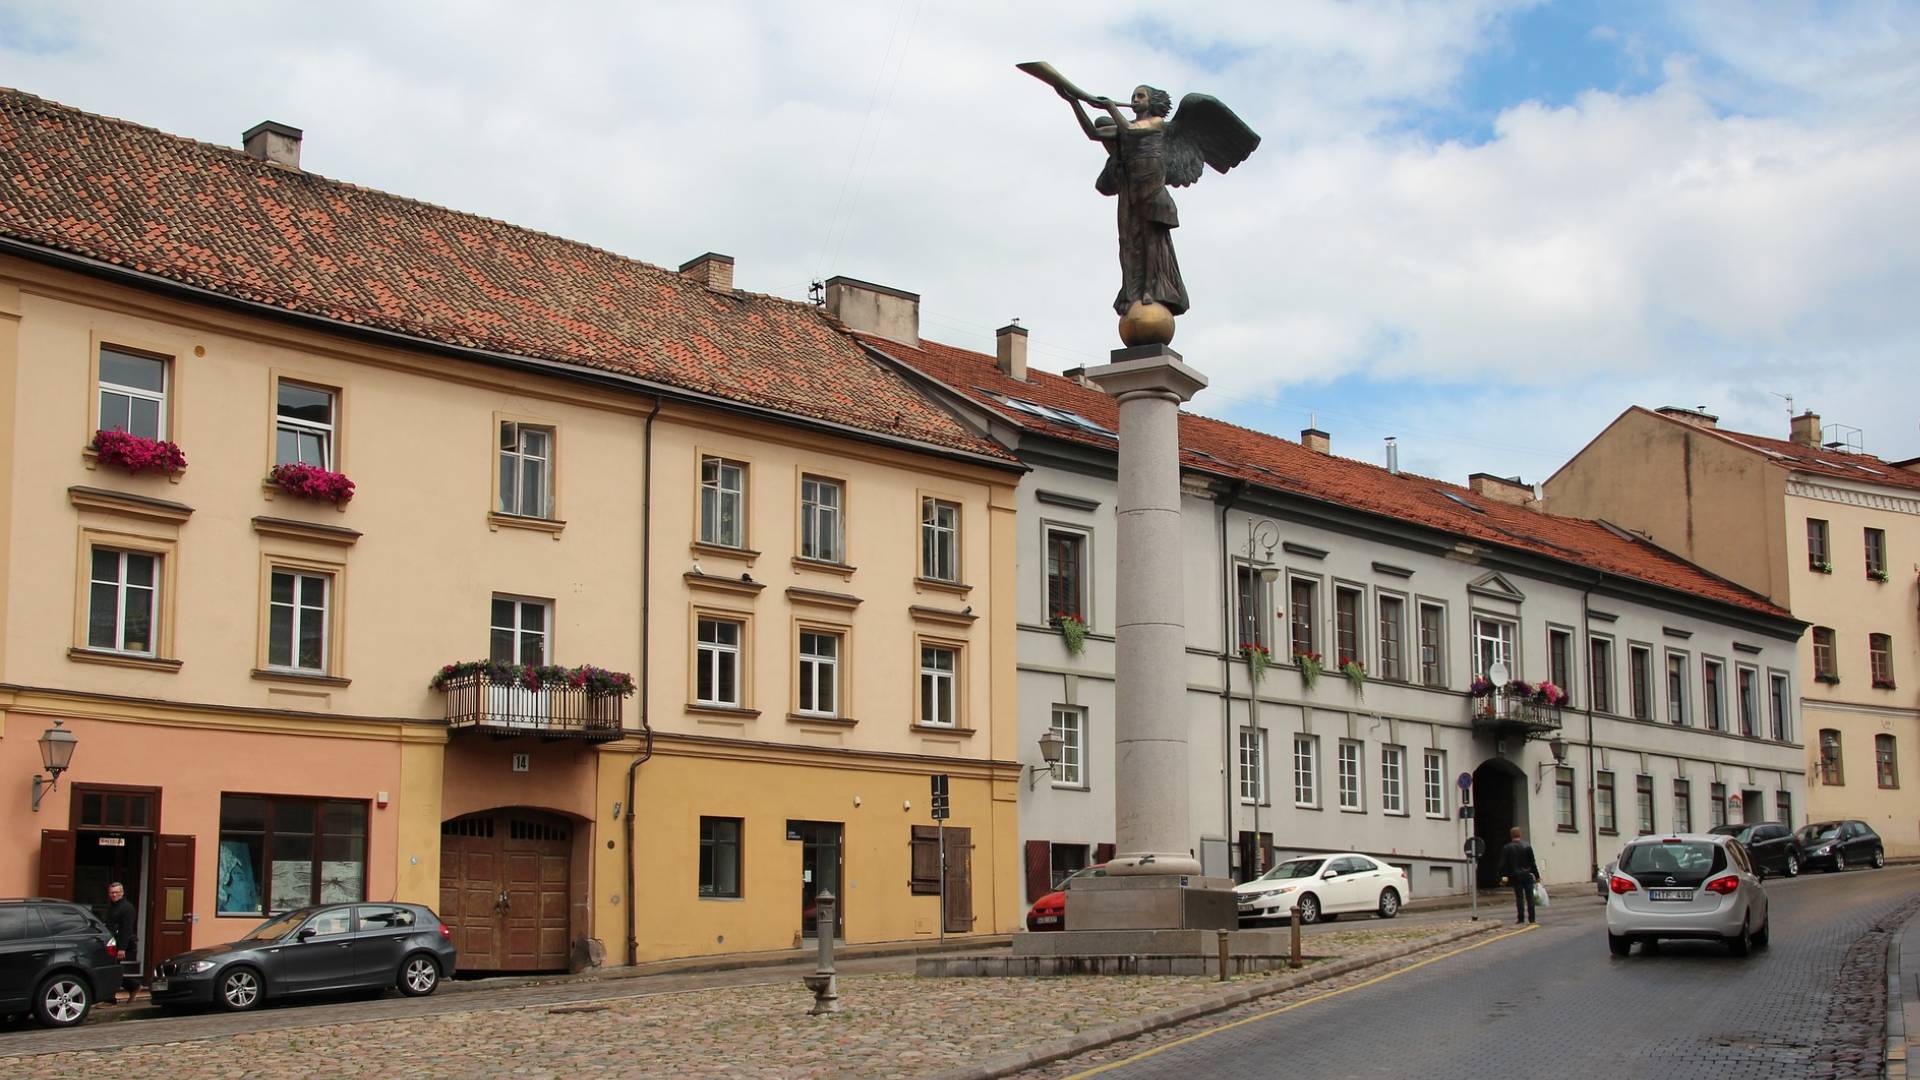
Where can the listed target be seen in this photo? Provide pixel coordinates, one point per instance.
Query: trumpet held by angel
(1155, 149)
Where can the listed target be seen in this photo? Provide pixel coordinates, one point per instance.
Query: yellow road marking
(1198, 1035)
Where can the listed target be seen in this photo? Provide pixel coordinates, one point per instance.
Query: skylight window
(1057, 416)
(1458, 499)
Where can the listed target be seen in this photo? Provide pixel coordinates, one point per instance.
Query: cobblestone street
(894, 1025)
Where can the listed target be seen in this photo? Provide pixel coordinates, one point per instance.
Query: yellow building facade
(414, 693)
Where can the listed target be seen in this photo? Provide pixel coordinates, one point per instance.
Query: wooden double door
(506, 889)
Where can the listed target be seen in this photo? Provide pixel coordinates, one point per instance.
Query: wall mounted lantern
(56, 753)
(1052, 749)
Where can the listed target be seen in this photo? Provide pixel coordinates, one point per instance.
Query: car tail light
(1622, 885)
(446, 932)
(119, 954)
(1725, 886)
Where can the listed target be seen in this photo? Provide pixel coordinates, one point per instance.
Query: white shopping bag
(1539, 894)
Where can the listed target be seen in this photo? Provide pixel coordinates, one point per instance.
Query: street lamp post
(56, 754)
(1261, 533)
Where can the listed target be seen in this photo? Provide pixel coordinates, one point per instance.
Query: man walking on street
(1519, 869)
(124, 921)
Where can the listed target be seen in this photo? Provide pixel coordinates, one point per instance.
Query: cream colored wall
(1854, 606)
(419, 447)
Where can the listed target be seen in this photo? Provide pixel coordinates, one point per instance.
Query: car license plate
(1045, 920)
(158, 986)
(1669, 894)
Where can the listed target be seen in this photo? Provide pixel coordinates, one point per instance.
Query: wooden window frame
(168, 353)
(1831, 768)
(1641, 699)
(265, 880)
(1679, 710)
(1390, 650)
(744, 494)
(1358, 632)
(1077, 780)
(1682, 798)
(1433, 783)
(1746, 699)
(122, 537)
(1605, 809)
(549, 472)
(520, 603)
(813, 512)
(1645, 805)
(1600, 675)
(1350, 752)
(1512, 622)
(1563, 797)
(1716, 804)
(1880, 660)
(1250, 762)
(1886, 761)
(1079, 605)
(1874, 541)
(337, 443)
(1393, 780)
(1311, 623)
(335, 651)
(1819, 545)
(1439, 666)
(1713, 693)
(802, 660)
(1829, 670)
(707, 865)
(1311, 742)
(956, 679)
(738, 651)
(931, 532)
(1779, 705)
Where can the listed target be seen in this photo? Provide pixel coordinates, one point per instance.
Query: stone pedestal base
(1151, 903)
(1120, 952)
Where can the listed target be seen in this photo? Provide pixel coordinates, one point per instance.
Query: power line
(829, 246)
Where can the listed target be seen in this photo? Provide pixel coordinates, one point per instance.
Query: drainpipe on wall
(1593, 823)
(646, 671)
(1226, 680)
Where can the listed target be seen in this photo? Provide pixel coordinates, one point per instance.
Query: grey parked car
(314, 950)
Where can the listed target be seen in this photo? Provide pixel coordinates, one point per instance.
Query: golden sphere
(1146, 323)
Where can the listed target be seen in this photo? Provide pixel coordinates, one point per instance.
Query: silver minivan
(1690, 885)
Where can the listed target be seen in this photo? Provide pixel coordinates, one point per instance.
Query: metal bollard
(1223, 956)
(824, 983)
(1293, 925)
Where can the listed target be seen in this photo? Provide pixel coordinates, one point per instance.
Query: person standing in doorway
(124, 921)
(1518, 868)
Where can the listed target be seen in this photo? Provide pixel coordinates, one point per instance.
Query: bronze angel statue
(1146, 154)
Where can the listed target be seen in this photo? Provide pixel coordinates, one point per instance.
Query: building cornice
(1868, 496)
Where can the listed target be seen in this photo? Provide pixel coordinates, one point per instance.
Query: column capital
(1147, 369)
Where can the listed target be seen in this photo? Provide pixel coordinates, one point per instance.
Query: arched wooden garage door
(505, 889)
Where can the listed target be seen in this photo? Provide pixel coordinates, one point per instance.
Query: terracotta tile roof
(1228, 450)
(1817, 460)
(211, 217)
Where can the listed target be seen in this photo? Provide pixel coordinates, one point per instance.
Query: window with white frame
(297, 610)
(526, 470)
(1676, 688)
(938, 666)
(1347, 774)
(1306, 770)
(723, 502)
(123, 601)
(1433, 645)
(819, 673)
(1070, 724)
(1493, 644)
(1392, 611)
(1393, 796)
(519, 632)
(822, 520)
(302, 425)
(1253, 766)
(716, 662)
(133, 393)
(1433, 783)
(939, 540)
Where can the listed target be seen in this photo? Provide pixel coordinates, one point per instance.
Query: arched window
(1884, 769)
(1830, 772)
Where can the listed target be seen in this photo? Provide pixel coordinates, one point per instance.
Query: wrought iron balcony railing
(1500, 712)
(507, 709)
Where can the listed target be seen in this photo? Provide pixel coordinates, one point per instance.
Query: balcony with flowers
(543, 700)
(1515, 707)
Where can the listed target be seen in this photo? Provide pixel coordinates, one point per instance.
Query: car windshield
(1729, 830)
(1682, 857)
(277, 927)
(1295, 868)
(1084, 872)
(1825, 830)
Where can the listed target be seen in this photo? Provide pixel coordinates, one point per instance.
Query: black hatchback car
(56, 960)
(1771, 844)
(314, 950)
(1836, 845)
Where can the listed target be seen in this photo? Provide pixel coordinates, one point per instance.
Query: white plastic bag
(1539, 894)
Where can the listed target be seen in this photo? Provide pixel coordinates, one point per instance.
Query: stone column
(1150, 721)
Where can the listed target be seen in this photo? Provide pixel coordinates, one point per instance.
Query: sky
(1484, 227)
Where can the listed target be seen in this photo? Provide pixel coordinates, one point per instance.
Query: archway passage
(1500, 803)
(505, 889)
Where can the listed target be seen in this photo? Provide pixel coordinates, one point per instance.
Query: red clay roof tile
(1817, 460)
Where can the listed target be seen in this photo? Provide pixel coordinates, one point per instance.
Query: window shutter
(1039, 869)
(926, 861)
(1266, 851)
(56, 864)
(1246, 855)
(1103, 853)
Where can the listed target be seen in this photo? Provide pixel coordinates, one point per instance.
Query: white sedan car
(1692, 885)
(1324, 886)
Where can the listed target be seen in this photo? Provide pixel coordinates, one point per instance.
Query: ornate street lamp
(56, 753)
(1052, 750)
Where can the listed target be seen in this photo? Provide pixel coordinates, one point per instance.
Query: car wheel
(1839, 861)
(1879, 859)
(1742, 945)
(1309, 907)
(63, 1001)
(419, 976)
(1618, 945)
(1765, 936)
(240, 990)
(1793, 866)
(1389, 903)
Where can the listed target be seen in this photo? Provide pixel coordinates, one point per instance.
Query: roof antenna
(817, 293)
(1788, 398)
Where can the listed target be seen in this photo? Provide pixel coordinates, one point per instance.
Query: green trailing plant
(1823, 567)
(1877, 575)
(1356, 673)
(1310, 668)
(1073, 631)
(1258, 657)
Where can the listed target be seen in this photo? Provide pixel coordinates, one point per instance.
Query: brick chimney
(713, 270)
(272, 142)
(1806, 429)
(1316, 440)
(1507, 489)
(867, 308)
(1010, 349)
(1696, 417)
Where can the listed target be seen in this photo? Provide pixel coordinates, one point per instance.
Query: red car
(1050, 911)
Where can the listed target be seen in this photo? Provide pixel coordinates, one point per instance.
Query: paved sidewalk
(1903, 1003)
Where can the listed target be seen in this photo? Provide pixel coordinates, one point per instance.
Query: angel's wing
(1205, 132)
(1108, 182)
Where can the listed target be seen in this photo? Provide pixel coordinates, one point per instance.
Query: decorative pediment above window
(1495, 587)
(739, 586)
(291, 529)
(127, 504)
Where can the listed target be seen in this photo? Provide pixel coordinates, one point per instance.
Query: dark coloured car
(1770, 844)
(1836, 845)
(56, 960)
(313, 950)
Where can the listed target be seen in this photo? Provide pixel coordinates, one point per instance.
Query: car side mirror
(306, 933)
(1328, 874)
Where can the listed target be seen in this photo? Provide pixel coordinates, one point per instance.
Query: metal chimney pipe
(1393, 455)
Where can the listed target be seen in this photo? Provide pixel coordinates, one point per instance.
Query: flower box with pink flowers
(312, 482)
